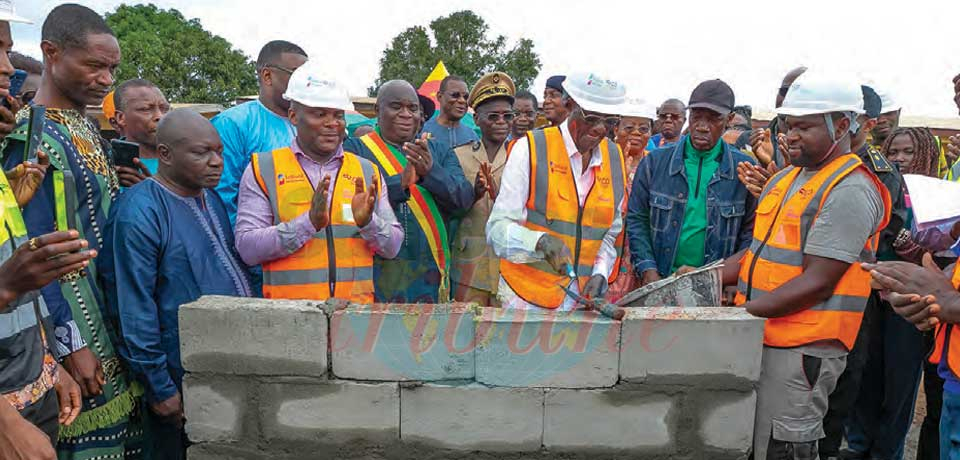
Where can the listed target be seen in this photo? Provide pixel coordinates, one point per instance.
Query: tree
(460, 41)
(185, 61)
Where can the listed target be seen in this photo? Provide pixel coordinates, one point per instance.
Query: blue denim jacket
(658, 202)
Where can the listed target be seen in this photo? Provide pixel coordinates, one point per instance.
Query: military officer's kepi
(492, 85)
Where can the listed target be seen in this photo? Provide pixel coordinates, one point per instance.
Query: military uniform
(475, 273)
(476, 269)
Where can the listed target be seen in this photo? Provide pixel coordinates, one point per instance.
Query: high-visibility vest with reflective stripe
(336, 262)
(554, 207)
(19, 323)
(776, 257)
(945, 343)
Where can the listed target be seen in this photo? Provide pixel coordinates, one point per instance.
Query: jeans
(950, 427)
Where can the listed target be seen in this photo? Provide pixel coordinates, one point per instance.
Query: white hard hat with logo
(812, 94)
(636, 107)
(9, 14)
(311, 87)
(594, 93)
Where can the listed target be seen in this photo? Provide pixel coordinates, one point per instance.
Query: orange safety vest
(776, 257)
(336, 262)
(553, 206)
(944, 342)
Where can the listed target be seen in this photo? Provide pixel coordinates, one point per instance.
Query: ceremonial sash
(421, 203)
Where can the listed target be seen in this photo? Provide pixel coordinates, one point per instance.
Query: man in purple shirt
(268, 226)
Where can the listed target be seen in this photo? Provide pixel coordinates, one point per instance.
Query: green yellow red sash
(421, 203)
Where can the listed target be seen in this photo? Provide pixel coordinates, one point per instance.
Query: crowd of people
(590, 195)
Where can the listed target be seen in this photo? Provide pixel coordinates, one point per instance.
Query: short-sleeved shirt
(851, 213)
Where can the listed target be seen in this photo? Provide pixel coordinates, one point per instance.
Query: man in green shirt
(687, 207)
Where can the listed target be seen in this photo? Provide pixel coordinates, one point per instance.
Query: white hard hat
(636, 107)
(310, 87)
(887, 102)
(812, 94)
(8, 14)
(595, 94)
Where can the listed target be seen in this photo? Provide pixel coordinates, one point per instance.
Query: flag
(431, 85)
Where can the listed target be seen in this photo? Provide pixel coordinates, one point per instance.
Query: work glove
(556, 253)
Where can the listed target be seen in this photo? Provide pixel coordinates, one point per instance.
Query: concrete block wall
(301, 379)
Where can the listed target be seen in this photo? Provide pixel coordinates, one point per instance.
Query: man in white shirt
(545, 239)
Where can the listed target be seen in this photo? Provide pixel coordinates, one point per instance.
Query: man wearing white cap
(559, 213)
(816, 222)
(312, 214)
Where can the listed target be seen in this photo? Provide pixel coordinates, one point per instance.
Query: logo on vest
(604, 181)
(282, 179)
(557, 168)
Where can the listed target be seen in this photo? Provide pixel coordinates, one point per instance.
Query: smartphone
(124, 152)
(16, 84)
(34, 132)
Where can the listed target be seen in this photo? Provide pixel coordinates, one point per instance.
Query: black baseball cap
(714, 95)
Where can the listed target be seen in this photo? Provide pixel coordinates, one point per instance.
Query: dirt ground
(910, 449)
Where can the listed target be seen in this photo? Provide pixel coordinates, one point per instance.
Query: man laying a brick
(816, 222)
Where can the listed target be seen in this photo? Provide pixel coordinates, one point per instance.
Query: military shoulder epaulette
(880, 164)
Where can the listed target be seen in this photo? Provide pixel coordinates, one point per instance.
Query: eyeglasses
(670, 116)
(642, 129)
(282, 69)
(458, 95)
(611, 121)
(494, 117)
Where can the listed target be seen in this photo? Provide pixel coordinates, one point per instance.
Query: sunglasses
(494, 117)
(527, 113)
(670, 116)
(282, 69)
(610, 121)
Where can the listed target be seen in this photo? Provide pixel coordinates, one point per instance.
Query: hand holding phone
(124, 152)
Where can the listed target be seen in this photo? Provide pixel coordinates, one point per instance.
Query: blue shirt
(657, 142)
(247, 129)
(162, 250)
(449, 138)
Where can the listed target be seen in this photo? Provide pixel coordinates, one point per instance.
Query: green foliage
(185, 61)
(461, 42)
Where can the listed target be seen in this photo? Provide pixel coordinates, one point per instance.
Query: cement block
(403, 342)
(674, 341)
(473, 417)
(331, 412)
(245, 336)
(216, 407)
(553, 349)
(728, 424)
(577, 420)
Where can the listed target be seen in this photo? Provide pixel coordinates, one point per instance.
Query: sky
(657, 49)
